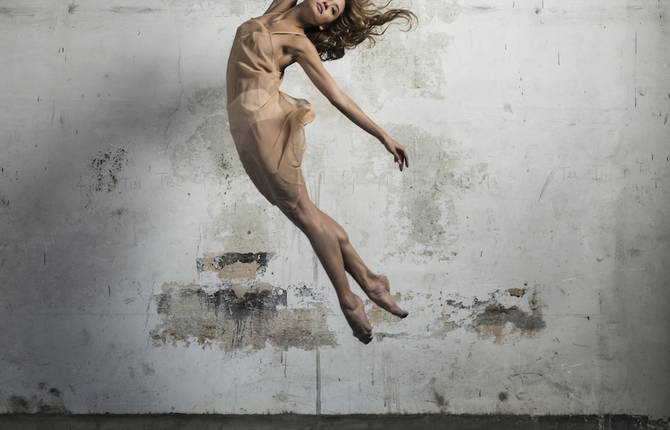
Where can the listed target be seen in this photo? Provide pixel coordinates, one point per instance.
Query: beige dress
(267, 125)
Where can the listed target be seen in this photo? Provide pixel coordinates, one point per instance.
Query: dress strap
(288, 32)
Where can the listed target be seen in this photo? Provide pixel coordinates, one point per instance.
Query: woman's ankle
(348, 301)
(369, 279)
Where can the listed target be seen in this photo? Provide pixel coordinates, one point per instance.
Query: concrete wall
(142, 272)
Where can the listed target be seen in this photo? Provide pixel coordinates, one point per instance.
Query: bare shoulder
(298, 47)
(305, 50)
(308, 58)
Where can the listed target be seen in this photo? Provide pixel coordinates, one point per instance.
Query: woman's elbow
(337, 98)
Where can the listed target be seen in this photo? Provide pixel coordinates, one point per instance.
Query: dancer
(267, 125)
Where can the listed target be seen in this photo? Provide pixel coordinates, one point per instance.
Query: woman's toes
(364, 337)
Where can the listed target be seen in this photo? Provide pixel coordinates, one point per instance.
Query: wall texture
(142, 272)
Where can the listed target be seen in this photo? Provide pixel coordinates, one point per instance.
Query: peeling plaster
(237, 321)
(240, 311)
(487, 317)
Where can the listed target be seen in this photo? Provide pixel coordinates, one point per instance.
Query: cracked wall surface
(142, 272)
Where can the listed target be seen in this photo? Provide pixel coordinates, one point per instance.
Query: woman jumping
(267, 125)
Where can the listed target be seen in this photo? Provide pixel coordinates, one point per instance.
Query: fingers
(404, 157)
(400, 157)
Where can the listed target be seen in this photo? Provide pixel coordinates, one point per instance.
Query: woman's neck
(293, 17)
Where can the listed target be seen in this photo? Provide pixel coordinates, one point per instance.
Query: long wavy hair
(359, 21)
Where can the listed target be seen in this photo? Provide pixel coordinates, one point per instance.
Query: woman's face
(326, 11)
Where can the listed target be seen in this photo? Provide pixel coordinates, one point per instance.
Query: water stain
(439, 399)
(448, 12)
(232, 226)
(37, 403)
(426, 210)
(207, 101)
(18, 11)
(147, 369)
(380, 335)
(133, 9)
(420, 73)
(208, 153)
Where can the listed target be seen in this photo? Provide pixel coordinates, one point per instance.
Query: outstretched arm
(280, 6)
(309, 60)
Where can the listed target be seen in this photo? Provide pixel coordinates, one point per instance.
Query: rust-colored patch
(516, 292)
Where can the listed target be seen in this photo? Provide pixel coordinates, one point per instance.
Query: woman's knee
(300, 214)
(341, 235)
(295, 215)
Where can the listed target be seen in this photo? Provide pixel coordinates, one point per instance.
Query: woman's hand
(398, 151)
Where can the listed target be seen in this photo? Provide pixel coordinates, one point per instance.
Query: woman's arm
(308, 58)
(280, 6)
(351, 110)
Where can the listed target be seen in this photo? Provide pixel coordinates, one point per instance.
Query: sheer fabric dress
(267, 124)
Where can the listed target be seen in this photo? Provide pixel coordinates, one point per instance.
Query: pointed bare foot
(354, 312)
(379, 292)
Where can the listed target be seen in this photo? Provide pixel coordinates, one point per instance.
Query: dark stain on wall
(17, 11)
(439, 399)
(132, 9)
(106, 168)
(455, 304)
(53, 404)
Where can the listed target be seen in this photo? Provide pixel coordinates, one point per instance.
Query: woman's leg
(325, 242)
(376, 287)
